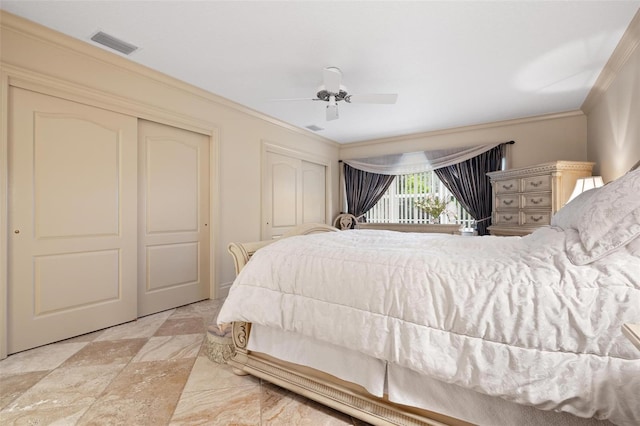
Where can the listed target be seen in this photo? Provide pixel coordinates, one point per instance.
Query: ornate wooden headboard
(242, 252)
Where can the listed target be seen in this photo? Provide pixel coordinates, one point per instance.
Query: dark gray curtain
(364, 189)
(469, 183)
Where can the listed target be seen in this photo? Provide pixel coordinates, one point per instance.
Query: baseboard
(223, 290)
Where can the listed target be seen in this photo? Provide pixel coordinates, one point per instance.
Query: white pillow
(619, 236)
(569, 215)
(611, 220)
(634, 247)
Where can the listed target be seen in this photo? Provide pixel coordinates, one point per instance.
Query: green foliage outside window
(416, 183)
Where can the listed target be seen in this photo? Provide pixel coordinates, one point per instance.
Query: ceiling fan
(333, 92)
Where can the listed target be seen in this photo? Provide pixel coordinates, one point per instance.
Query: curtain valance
(417, 162)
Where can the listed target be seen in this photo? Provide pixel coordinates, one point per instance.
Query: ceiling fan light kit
(323, 94)
(332, 112)
(332, 92)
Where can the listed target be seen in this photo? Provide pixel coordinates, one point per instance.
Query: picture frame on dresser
(525, 198)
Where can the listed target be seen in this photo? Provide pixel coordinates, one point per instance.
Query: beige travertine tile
(206, 308)
(106, 352)
(207, 375)
(140, 328)
(144, 393)
(233, 406)
(87, 389)
(172, 327)
(203, 348)
(170, 347)
(282, 407)
(39, 359)
(89, 337)
(13, 386)
(66, 387)
(59, 416)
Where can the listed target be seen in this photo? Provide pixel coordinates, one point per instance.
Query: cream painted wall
(538, 140)
(37, 57)
(613, 120)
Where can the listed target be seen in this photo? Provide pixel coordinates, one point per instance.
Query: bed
(414, 329)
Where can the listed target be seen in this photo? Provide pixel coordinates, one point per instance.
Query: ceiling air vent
(113, 43)
(314, 128)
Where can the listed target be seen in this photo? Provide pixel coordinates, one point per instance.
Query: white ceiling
(452, 63)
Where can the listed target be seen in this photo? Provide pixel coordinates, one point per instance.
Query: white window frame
(391, 208)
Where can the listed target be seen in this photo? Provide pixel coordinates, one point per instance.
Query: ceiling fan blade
(373, 98)
(294, 99)
(332, 77)
(332, 112)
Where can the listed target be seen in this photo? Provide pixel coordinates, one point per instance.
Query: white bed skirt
(402, 385)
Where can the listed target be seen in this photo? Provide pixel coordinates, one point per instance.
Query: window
(397, 205)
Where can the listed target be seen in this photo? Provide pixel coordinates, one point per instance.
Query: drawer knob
(507, 202)
(507, 186)
(536, 219)
(536, 202)
(536, 184)
(507, 218)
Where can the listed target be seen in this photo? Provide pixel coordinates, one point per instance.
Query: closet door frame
(271, 147)
(11, 76)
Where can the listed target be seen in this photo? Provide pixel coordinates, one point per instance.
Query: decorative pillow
(569, 216)
(634, 247)
(611, 220)
(627, 230)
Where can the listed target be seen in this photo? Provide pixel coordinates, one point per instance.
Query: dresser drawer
(533, 199)
(524, 199)
(510, 185)
(507, 201)
(536, 183)
(506, 218)
(530, 218)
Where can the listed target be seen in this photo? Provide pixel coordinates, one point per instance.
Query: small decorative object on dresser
(525, 198)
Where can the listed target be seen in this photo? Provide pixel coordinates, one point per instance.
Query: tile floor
(152, 371)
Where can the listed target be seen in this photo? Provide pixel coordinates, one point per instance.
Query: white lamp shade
(585, 184)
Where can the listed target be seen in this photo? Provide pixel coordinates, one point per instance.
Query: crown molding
(626, 47)
(470, 128)
(31, 80)
(46, 35)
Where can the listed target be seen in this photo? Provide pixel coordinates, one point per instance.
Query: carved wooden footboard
(313, 384)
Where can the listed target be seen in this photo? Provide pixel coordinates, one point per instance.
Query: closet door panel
(174, 234)
(281, 195)
(172, 185)
(72, 218)
(314, 194)
(67, 148)
(60, 274)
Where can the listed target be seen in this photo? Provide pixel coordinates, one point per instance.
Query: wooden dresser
(525, 198)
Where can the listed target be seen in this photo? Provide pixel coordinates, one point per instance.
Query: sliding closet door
(72, 218)
(314, 192)
(293, 192)
(281, 195)
(174, 229)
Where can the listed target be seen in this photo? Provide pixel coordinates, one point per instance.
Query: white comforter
(508, 317)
